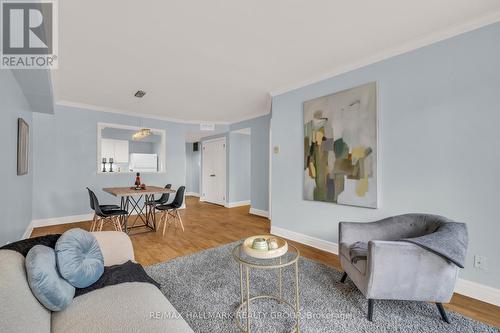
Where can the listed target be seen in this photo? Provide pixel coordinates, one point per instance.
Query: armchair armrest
(350, 232)
(116, 247)
(405, 271)
(390, 228)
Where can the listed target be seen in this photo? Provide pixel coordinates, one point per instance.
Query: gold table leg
(241, 283)
(280, 281)
(297, 305)
(248, 300)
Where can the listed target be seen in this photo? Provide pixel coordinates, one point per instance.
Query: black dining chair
(113, 215)
(153, 203)
(171, 210)
(163, 199)
(102, 207)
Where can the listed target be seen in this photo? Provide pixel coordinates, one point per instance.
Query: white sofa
(126, 307)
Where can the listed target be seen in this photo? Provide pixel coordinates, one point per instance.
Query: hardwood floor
(210, 226)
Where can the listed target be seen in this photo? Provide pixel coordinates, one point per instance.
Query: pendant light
(143, 132)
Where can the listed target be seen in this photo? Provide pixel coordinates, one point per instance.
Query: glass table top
(289, 258)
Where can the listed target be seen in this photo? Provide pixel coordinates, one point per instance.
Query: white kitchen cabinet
(121, 151)
(116, 149)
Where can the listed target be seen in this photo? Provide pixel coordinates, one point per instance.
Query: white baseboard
(464, 287)
(237, 204)
(305, 239)
(193, 194)
(258, 212)
(478, 291)
(61, 220)
(28, 231)
(65, 219)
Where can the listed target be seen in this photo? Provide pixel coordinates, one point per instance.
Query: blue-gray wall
(439, 146)
(239, 167)
(65, 150)
(193, 168)
(15, 199)
(138, 147)
(259, 156)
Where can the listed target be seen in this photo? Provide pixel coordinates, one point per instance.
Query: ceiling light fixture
(141, 134)
(140, 93)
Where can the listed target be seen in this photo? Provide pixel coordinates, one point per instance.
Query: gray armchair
(393, 269)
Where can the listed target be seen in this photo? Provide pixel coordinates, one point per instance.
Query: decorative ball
(260, 244)
(272, 243)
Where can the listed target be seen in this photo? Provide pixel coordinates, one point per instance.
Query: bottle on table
(138, 180)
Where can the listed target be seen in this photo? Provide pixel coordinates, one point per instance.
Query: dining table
(137, 201)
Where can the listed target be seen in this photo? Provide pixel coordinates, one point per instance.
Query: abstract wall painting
(340, 147)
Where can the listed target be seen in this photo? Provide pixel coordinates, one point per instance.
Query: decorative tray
(265, 253)
(137, 188)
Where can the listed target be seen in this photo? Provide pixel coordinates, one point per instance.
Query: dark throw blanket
(25, 245)
(116, 274)
(449, 241)
(127, 272)
(358, 251)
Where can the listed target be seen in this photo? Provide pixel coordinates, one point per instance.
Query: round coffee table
(247, 262)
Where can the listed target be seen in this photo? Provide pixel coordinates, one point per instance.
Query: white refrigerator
(143, 162)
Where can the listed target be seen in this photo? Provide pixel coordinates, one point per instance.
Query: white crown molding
(258, 212)
(243, 131)
(250, 117)
(133, 114)
(401, 49)
(98, 108)
(464, 287)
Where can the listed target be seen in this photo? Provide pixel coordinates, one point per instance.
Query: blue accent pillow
(47, 285)
(79, 258)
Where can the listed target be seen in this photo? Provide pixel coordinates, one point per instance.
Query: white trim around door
(213, 171)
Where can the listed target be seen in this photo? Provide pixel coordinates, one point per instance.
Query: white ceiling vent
(207, 127)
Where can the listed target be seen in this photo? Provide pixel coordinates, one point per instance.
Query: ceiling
(219, 61)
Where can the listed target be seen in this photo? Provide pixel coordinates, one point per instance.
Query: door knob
(212, 175)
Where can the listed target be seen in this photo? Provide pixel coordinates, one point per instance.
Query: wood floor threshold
(208, 226)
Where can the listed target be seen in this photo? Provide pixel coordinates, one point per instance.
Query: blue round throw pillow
(47, 285)
(79, 258)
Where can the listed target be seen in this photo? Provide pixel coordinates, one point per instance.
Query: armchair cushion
(359, 264)
(358, 251)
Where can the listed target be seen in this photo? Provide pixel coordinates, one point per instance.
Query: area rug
(205, 289)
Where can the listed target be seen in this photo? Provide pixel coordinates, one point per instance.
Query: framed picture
(340, 147)
(23, 144)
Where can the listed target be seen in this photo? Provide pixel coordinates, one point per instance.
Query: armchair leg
(442, 312)
(344, 276)
(370, 309)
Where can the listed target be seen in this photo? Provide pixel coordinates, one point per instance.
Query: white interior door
(214, 171)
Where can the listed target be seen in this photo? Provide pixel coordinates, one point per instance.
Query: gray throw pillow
(47, 285)
(79, 258)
